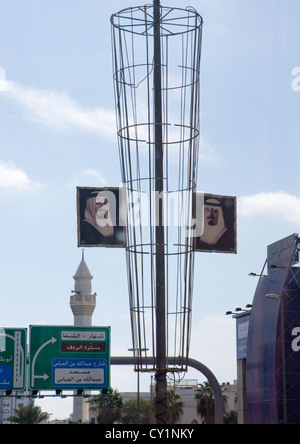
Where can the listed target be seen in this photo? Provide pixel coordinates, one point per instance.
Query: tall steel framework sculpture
(156, 61)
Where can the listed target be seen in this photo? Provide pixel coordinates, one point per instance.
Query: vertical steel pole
(161, 361)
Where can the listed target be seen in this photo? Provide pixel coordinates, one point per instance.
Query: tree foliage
(28, 414)
(130, 414)
(205, 403)
(108, 406)
(175, 407)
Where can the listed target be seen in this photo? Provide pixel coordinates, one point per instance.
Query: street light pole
(161, 361)
(138, 382)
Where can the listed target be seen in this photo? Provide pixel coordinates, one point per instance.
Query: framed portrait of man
(217, 217)
(99, 217)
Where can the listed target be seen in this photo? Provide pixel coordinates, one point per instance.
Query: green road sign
(13, 358)
(68, 358)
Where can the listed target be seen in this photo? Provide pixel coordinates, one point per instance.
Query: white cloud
(94, 178)
(13, 177)
(279, 204)
(58, 110)
(94, 174)
(2, 80)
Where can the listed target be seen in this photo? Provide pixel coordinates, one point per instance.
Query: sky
(58, 131)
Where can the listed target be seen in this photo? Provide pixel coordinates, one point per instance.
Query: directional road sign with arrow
(64, 357)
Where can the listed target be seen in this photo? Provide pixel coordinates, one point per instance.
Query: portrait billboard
(217, 214)
(99, 217)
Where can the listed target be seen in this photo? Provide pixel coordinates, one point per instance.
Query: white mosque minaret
(83, 303)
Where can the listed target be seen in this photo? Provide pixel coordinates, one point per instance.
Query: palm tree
(108, 406)
(175, 407)
(28, 414)
(231, 417)
(205, 403)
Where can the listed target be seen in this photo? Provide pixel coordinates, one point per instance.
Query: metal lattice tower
(156, 57)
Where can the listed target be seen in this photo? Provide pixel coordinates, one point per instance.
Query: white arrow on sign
(51, 341)
(44, 377)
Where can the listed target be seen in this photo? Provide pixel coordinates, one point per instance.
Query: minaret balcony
(83, 298)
